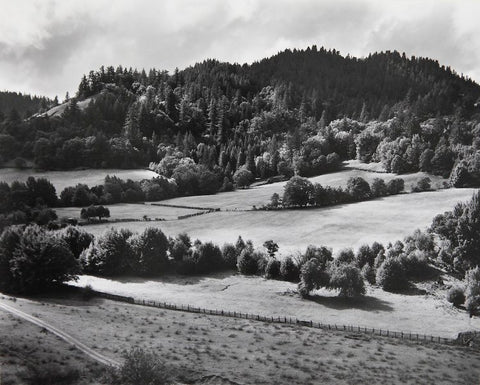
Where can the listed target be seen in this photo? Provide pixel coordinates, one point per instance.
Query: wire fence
(291, 321)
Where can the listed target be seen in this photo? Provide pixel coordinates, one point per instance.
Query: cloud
(46, 46)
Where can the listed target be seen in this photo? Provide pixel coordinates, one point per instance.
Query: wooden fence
(284, 320)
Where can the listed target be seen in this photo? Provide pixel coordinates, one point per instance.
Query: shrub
(142, 367)
(312, 277)
(110, 254)
(229, 255)
(289, 271)
(391, 275)
(345, 256)
(207, 258)
(368, 273)
(272, 270)
(178, 250)
(358, 188)
(39, 259)
(243, 178)
(378, 187)
(150, 251)
(298, 192)
(365, 256)
(247, 262)
(395, 186)
(76, 239)
(472, 290)
(271, 247)
(456, 296)
(347, 279)
(423, 184)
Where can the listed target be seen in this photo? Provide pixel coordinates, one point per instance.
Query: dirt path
(65, 336)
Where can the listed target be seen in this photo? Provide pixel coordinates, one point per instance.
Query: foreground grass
(31, 355)
(250, 352)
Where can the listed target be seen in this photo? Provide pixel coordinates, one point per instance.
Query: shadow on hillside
(362, 303)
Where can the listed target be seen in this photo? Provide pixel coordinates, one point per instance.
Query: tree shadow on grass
(362, 303)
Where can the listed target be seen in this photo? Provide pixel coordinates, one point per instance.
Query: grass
(62, 179)
(255, 295)
(243, 351)
(30, 355)
(383, 220)
(131, 211)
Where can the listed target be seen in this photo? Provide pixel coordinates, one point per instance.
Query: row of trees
(300, 192)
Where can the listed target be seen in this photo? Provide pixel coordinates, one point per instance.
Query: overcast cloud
(46, 46)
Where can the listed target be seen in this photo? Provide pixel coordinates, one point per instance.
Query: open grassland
(62, 179)
(31, 355)
(137, 211)
(413, 312)
(260, 195)
(383, 220)
(249, 352)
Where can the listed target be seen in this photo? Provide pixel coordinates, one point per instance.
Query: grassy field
(260, 195)
(413, 312)
(62, 179)
(384, 220)
(29, 355)
(131, 211)
(249, 352)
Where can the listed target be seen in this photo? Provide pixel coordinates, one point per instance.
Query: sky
(47, 45)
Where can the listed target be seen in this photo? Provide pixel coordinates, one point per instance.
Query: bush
(243, 178)
(298, 192)
(141, 367)
(36, 259)
(247, 262)
(345, 256)
(110, 254)
(272, 270)
(378, 188)
(76, 239)
(456, 296)
(358, 188)
(391, 275)
(368, 274)
(207, 258)
(347, 279)
(229, 255)
(289, 271)
(312, 277)
(423, 184)
(472, 290)
(395, 186)
(150, 251)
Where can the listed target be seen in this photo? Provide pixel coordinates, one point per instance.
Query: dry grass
(250, 352)
(384, 220)
(31, 355)
(132, 211)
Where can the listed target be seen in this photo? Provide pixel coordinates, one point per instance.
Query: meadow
(203, 349)
(350, 225)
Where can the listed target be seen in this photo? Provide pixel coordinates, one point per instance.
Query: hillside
(22, 104)
(300, 111)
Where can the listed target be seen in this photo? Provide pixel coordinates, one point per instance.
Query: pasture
(351, 225)
(260, 195)
(256, 295)
(134, 211)
(62, 179)
(249, 352)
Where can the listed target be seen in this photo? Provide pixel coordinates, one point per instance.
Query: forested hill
(22, 104)
(300, 111)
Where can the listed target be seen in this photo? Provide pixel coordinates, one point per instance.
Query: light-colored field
(131, 211)
(383, 220)
(260, 195)
(30, 355)
(249, 352)
(62, 179)
(255, 295)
